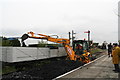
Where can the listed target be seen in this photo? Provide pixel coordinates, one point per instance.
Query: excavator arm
(65, 42)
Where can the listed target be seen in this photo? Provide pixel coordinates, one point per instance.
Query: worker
(116, 57)
(79, 49)
(110, 49)
(104, 45)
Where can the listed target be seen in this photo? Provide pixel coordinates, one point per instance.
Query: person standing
(104, 45)
(110, 49)
(79, 49)
(116, 57)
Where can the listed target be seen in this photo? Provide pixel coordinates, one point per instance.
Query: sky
(59, 17)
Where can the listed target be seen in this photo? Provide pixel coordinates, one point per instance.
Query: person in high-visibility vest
(116, 57)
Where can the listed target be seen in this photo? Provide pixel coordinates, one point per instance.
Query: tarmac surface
(102, 68)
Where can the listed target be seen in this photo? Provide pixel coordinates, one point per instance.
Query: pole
(88, 39)
(72, 37)
(69, 36)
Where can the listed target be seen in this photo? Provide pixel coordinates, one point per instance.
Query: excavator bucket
(24, 37)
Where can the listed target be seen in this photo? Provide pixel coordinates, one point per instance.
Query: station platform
(101, 68)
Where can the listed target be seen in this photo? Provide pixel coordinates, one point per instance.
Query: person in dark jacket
(110, 49)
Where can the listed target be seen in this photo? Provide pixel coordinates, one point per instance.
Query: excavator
(66, 43)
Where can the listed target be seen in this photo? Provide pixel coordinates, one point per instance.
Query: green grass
(94, 50)
(0, 71)
(8, 69)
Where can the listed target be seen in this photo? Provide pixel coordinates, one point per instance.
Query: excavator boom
(65, 42)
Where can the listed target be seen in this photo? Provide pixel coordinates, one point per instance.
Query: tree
(6, 42)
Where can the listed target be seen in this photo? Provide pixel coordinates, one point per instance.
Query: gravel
(47, 71)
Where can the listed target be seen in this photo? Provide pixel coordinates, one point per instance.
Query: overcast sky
(61, 16)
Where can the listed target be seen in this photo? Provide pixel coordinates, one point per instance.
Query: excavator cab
(80, 45)
(80, 48)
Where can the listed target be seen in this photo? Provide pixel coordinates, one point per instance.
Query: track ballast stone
(45, 72)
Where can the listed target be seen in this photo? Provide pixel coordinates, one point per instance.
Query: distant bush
(6, 42)
(42, 43)
(45, 44)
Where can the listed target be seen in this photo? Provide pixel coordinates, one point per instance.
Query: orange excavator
(66, 43)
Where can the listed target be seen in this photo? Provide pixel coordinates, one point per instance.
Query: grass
(8, 69)
(0, 71)
(94, 50)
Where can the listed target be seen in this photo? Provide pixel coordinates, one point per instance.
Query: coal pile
(45, 72)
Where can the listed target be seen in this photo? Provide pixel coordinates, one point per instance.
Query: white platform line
(78, 68)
